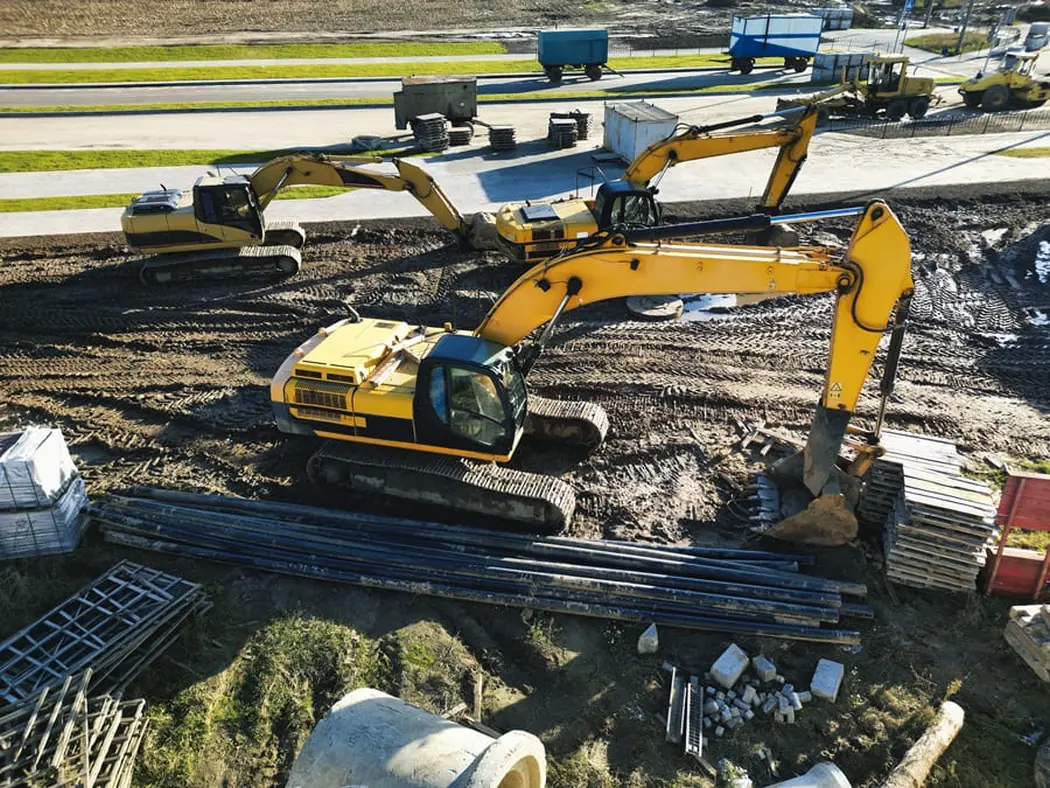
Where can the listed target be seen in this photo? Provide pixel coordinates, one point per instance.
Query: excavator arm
(699, 143)
(319, 169)
(869, 277)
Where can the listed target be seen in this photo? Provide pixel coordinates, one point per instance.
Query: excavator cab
(470, 396)
(619, 203)
(228, 202)
(885, 77)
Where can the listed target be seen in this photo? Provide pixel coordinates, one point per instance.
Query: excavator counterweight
(409, 410)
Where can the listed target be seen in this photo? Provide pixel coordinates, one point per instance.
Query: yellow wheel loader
(530, 232)
(1013, 84)
(426, 413)
(219, 227)
(887, 91)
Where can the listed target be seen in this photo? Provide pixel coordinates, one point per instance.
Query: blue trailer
(587, 50)
(794, 37)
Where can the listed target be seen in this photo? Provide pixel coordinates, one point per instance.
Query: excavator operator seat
(618, 203)
(229, 202)
(470, 394)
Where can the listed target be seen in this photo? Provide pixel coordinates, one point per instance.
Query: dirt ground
(56, 19)
(168, 387)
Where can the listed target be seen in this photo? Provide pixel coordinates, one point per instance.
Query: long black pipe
(517, 543)
(696, 567)
(235, 534)
(620, 613)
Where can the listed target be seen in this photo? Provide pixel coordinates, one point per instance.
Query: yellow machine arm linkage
(870, 276)
(322, 170)
(695, 143)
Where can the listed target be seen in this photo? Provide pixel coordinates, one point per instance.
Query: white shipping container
(631, 127)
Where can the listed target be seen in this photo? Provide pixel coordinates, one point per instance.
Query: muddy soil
(168, 386)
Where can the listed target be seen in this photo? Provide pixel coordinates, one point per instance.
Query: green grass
(935, 42)
(58, 160)
(79, 202)
(1025, 153)
(144, 54)
(324, 71)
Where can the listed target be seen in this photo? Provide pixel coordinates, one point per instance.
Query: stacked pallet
(115, 626)
(41, 494)
(431, 131)
(581, 119)
(936, 523)
(562, 133)
(460, 135)
(65, 736)
(502, 138)
(1028, 633)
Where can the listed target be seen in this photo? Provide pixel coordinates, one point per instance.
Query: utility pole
(929, 14)
(962, 31)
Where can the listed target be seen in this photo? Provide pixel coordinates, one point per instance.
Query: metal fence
(946, 125)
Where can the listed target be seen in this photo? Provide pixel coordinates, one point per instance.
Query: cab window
(438, 398)
(475, 409)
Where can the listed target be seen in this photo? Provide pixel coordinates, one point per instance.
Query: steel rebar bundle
(737, 591)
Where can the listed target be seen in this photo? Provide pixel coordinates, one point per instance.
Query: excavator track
(579, 423)
(542, 503)
(221, 264)
(284, 232)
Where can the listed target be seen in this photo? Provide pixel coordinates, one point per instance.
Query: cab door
(463, 407)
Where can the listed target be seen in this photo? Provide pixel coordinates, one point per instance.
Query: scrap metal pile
(736, 591)
(54, 730)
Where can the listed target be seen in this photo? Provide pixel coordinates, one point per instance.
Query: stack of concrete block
(936, 523)
(562, 133)
(734, 697)
(502, 138)
(41, 494)
(1028, 633)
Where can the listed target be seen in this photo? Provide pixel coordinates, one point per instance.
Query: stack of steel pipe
(715, 589)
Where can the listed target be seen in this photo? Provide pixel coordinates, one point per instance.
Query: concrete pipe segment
(372, 739)
(823, 775)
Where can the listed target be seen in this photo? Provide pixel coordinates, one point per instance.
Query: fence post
(1023, 116)
(987, 121)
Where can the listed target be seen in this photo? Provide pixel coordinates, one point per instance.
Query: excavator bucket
(816, 499)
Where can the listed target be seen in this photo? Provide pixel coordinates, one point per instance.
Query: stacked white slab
(41, 494)
(936, 522)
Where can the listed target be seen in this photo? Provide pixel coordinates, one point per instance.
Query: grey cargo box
(454, 97)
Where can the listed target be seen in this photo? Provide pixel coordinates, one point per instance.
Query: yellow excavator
(531, 232)
(219, 227)
(425, 413)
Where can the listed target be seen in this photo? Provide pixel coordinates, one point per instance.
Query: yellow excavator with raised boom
(530, 232)
(425, 413)
(219, 227)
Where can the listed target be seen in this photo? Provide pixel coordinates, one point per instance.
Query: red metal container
(1012, 571)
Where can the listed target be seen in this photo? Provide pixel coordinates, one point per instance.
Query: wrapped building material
(47, 530)
(35, 468)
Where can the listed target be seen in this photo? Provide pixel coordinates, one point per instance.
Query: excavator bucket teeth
(825, 522)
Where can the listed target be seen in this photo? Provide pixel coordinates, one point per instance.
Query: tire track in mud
(169, 386)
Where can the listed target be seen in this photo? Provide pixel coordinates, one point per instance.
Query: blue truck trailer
(585, 50)
(794, 37)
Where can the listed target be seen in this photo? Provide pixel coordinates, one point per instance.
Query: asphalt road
(292, 90)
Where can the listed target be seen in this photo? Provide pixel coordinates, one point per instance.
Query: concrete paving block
(710, 691)
(729, 667)
(796, 701)
(787, 689)
(748, 695)
(741, 704)
(765, 669)
(789, 716)
(648, 641)
(749, 715)
(720, 695)
(711, 707)
(719, 730)
(783, 704)
(769, 704)
(708, 722)
(827, 679)
(779, 679)
(806, 696)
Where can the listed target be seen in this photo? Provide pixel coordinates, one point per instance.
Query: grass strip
(1025, 153)
(326, 71)
(78, 202)
(61, 160)
(936, 42)
(156, 54)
